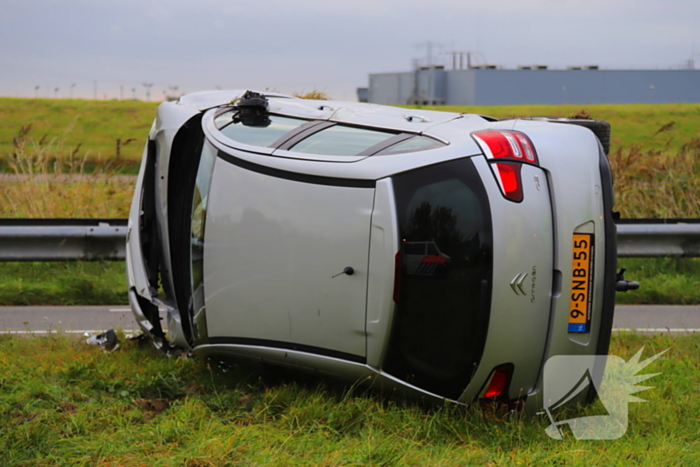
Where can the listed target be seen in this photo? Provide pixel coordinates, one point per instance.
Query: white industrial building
(488, 85)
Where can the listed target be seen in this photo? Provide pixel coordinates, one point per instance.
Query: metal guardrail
(639, 238)
(105, 239)
(63, 239)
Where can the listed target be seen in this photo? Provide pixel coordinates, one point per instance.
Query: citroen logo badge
(517, 284)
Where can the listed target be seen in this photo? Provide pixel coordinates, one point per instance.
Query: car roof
(352, 113)
(453, 129)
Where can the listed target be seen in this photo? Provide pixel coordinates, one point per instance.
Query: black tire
(600, 128)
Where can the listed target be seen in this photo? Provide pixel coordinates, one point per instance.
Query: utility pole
(691, 61)
(429, 52)
(71, 90)
(148, 87)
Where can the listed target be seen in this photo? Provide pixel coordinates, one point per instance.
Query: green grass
(47, 180)
(97, 125)
(663, 281)
(65, 403)
(75, 283)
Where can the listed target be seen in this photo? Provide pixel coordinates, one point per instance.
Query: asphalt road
(96, 319)
(70, 319)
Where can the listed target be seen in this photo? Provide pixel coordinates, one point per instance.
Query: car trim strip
(295, 176)
(288, 140)
(287, 346)
(396, 139)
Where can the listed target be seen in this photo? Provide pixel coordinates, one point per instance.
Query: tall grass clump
(657, 183)
(313, 95)
(46, 179)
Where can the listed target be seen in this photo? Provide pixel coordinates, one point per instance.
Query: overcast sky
(332, 45)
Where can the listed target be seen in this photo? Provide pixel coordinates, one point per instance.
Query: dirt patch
(67, 407)
(152, 406)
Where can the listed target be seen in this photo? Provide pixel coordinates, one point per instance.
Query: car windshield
(445, 272)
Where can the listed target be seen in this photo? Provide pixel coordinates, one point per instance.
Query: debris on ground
(108, 340)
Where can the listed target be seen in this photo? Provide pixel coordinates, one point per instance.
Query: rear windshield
(444, 291)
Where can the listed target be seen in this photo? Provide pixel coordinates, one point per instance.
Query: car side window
(330, 139)
(256, 135)
(340, 140)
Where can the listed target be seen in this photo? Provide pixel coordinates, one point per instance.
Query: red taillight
(506, 144)
(506, 149)
(498, 383)
(509, 176)
(497, 387)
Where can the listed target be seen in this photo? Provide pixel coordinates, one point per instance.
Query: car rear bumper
(597, 340)
(579, 185)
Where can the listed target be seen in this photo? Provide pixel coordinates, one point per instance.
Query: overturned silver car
(444, 255)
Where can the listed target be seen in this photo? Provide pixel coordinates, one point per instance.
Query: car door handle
(348, 270)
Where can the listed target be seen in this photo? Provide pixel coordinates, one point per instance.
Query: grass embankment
(97, 125)
(655, 157)
(66, 403)
(50, 179)
(100, 123)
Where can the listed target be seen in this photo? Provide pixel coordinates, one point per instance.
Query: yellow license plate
(581, 283)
